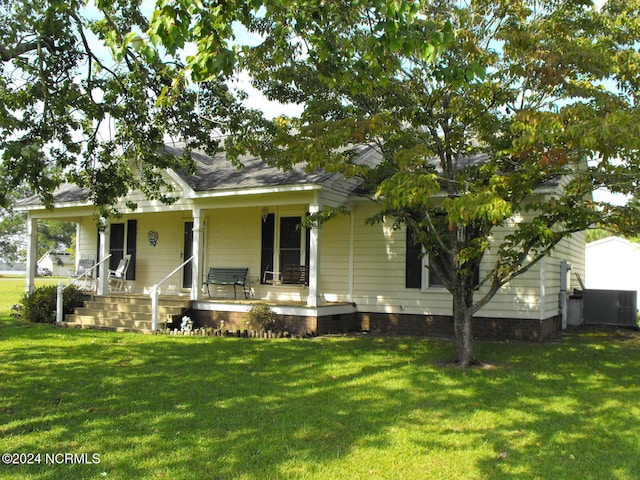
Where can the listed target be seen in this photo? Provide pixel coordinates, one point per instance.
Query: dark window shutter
(307, 242)
(268, 233)
(132, 236)
(116, 244)
(413, 262)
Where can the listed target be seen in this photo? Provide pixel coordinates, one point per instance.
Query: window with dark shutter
(416, 264)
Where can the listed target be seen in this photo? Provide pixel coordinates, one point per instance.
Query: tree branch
(8, 54)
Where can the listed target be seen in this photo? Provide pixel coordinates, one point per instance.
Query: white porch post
(32, 252)
(313, 300)
(105, 239)
(198, 227)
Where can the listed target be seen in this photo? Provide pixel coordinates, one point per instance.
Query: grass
(358, 407)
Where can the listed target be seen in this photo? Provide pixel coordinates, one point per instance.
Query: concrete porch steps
(127, 313)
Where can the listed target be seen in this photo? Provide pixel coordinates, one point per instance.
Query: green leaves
(169, 25)
(96, 100)
(407, 190)
(483, 206)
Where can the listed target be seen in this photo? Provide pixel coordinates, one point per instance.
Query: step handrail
(154, 294)
(62, 288)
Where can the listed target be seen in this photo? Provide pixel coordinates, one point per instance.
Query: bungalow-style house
(346, 275)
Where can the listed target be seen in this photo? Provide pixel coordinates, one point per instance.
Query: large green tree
(475, 105)
(83, 99)
(52, 235)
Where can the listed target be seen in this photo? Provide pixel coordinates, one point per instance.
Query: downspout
(565, 268)
(352, 231)
(542, 290)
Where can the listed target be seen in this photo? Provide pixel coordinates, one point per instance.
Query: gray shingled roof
(217, 173)
(66, 193)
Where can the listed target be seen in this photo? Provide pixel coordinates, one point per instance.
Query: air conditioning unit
(610, 307)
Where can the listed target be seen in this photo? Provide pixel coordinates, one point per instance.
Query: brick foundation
(516, 329)
(440, 325)
(399, 324)
(296, 325)
(407, 324)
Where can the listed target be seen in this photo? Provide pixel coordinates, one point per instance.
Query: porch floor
(224, 300)
(228, 300)
(286, 307)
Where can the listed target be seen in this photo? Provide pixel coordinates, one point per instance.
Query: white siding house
(249, 219)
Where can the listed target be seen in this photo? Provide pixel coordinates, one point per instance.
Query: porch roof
(217, 173)
(64, 194)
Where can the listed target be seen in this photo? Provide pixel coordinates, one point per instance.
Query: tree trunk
(462, 303)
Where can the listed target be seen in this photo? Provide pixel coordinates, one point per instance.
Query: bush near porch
(40, 305)
(338, 407)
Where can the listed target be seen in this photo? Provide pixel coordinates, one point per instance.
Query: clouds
(257, 100)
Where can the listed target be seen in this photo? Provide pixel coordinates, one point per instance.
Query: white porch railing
(155, 292)
(62, 288)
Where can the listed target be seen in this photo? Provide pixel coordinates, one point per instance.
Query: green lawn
(153, 407)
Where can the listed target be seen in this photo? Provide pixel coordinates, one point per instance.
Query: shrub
(39, 306)
(262, 317)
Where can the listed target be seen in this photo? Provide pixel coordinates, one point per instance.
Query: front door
(187, 249)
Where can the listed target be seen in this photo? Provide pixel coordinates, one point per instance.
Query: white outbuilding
(613, 263)
(56, 263)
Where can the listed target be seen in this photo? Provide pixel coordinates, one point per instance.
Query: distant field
(12, 289)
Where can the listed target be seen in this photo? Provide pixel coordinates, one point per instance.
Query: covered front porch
(250, 219)
(171, 252)
(265, 241)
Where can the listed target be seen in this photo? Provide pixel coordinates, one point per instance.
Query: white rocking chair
(84, 272)
(118, 277)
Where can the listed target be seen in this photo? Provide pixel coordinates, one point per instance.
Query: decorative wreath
(153, 238)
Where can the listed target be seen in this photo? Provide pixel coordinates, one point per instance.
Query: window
(285, 246)
(290, 242)
(417, 275)
(434, 281)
